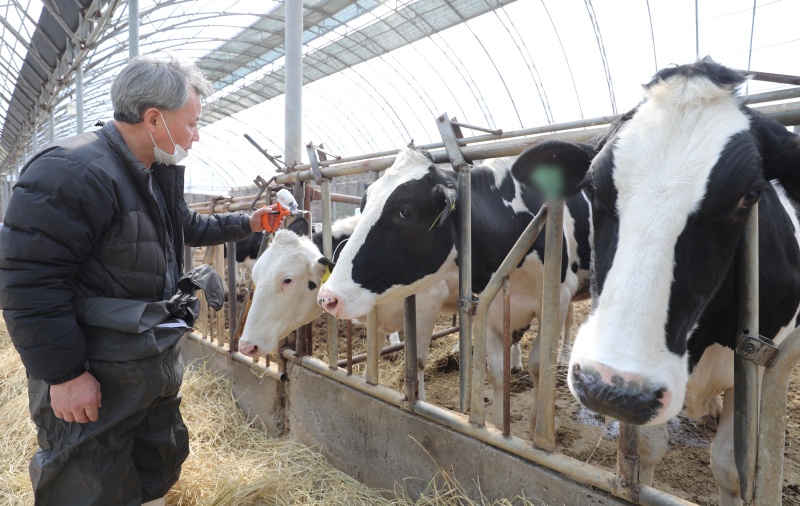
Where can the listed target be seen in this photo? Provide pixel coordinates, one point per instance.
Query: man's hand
(274, 219)
(76, 400)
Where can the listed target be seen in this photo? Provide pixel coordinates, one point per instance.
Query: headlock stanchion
(233, 291)
(550, 323)
(514, 257)
(759, 453)
(745, 372)
(410, 343)
(466, 303)
(331, 326)
(373, 346)
(771, 440)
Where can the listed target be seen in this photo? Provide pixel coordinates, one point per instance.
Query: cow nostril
(330, 305)
(628, 398)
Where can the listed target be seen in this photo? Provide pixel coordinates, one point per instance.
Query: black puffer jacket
(83, 223)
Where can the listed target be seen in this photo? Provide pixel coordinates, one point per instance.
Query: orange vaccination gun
(286, 205)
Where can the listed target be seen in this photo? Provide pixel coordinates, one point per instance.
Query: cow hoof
(710, 421)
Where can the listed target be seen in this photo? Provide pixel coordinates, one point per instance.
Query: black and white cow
(407, 238)
(672, 184)
(287, 276)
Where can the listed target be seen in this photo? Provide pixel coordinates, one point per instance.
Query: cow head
(286, 277)
(671, 185)
(402, 242)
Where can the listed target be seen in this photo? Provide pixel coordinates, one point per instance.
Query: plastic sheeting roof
(378, 73)
(34, 52)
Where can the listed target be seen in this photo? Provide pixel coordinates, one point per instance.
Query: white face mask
(164, 157)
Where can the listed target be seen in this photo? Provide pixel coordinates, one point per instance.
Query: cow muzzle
(627, 397)
(249, 349)
(329, 302)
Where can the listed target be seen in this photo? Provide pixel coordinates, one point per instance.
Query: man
(91, 252)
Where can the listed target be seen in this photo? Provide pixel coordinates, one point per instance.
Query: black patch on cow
(579, 210)
(717, 74)
(414, 241)
(779, 284)
(517, 334)
(705, 249)
(508, 189)
(403, 234)
(312, 285)
(780, 152)
(603, 194)
(299, 226)
(496, 227)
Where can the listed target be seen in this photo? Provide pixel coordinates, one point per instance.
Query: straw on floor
(232, 461)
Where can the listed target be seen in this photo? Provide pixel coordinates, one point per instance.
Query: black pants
(131, 454)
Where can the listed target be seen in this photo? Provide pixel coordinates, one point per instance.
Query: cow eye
(287, 280)
(749, 200)
(406, 212)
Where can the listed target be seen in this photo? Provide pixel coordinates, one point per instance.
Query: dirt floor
(685, 470)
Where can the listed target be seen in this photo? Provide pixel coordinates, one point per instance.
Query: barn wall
(380, 444)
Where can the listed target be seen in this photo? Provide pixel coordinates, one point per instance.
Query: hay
(232, 461)
(18, 434)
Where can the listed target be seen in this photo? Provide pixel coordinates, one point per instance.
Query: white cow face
(671, 189)
(286, 277)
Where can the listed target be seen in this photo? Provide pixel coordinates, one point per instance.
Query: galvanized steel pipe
(410, 343)
(506, 356)
(550, 323)
(787, 114)
(510, 263)
(373, 346)
(393, 348)
(745, 372)
(331, 327)
(771, 440)
(233, 294)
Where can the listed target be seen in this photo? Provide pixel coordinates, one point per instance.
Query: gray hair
(155, 82)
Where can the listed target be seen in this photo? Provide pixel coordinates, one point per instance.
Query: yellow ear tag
(327, 273)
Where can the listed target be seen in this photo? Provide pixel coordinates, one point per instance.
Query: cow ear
(299, 226)
(446, 196)
(554, 168)
(324, 267)
(780, 153)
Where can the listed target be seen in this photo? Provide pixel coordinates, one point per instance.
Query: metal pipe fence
(623, 483)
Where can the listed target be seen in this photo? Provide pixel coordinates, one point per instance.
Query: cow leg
(533, 371)
(426, 322)
(566, 339)
(516, 357)
(723, 460)
(565, 314)
(394, 338)
(652, 448)
(494, 359)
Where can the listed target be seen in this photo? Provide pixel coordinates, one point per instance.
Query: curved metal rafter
(602, 49)
(525, 53)
(245, 63)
